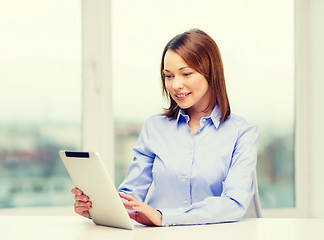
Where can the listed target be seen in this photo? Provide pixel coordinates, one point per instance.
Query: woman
(199, 157)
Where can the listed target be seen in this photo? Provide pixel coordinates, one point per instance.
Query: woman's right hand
(82, 204)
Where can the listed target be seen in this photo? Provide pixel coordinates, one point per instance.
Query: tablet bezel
(89, 174)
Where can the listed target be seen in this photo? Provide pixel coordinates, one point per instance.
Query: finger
(86, 214)
(82, 198)
(137, 209)
(130, 205)
(132, 215)
(76, 191)
(82, 211)
(127, 197)
(140, 209)
(82, 204)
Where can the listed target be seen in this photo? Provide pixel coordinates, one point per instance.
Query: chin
(184, 106)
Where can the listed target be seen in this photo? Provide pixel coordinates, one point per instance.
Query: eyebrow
(166, 70)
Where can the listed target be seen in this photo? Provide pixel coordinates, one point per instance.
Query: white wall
(316, 128)
(309, 107)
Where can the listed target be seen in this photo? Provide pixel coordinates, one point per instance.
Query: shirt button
(186, 201)
(204, 120)
(185, 177)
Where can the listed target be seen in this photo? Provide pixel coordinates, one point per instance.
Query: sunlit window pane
(40, 69)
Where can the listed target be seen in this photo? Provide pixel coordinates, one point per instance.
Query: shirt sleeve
(139, 175)
(238, 189)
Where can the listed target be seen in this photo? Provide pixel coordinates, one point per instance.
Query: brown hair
(201, 53)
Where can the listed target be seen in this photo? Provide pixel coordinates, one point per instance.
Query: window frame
(97, 117)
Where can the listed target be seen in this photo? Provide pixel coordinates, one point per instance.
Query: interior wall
(317, 109)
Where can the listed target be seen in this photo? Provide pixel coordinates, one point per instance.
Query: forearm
(211, 210)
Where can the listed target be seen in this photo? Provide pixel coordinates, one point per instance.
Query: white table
(75, 227)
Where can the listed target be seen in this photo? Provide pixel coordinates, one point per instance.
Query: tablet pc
(89, 174)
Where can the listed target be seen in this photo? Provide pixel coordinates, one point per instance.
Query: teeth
(182, 95)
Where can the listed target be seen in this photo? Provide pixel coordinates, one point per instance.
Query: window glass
(40, 68)
(258, 56)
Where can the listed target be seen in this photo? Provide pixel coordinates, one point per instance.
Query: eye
(168, 76)
(187, 74)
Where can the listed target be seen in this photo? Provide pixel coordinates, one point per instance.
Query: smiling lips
(182, 96)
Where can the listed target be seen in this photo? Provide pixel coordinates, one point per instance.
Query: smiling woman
(258, 56)
(201, 161)
(186, 86)
(198, 50)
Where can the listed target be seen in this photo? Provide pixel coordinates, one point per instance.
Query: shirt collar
(215, 116)
(182, 114)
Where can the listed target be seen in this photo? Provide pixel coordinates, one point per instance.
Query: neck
(195, 114)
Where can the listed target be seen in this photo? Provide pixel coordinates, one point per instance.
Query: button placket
(186, 174)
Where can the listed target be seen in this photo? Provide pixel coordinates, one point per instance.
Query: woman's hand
(82, 204)
(144, 213)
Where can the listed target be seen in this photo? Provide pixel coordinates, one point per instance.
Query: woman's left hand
(144, 214)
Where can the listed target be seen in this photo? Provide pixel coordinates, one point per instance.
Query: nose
(177, 83)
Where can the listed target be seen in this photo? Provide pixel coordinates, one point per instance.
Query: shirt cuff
(171, 217)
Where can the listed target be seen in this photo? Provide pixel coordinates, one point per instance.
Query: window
(40, 100)
(258, 55)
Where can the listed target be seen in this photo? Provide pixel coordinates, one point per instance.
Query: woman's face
(188, 88)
